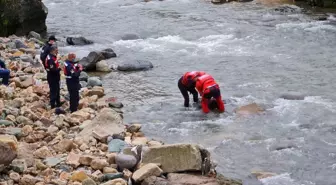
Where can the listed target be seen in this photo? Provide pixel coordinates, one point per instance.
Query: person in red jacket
(208, 89)
(187, 84)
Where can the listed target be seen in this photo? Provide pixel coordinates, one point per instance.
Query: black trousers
(73, 88)
(54, 86)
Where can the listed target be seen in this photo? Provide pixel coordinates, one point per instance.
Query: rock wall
(19, 17)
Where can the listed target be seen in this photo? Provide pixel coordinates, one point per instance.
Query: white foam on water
(283, 106)
(181, 131)
(329, 104)
(282, 179)
(256, 84)
(208, 44)
(332, 17)
(307, 26)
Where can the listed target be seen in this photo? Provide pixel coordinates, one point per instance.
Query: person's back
(46, 49)
(4, 73)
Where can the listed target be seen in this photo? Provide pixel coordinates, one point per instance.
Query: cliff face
(19, 17)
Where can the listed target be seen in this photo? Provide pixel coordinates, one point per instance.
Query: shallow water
(256, 54)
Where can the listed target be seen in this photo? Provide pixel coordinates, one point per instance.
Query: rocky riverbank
(90, 146)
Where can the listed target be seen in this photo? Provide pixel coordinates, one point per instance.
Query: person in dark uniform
(4, 73)
(53, 76)
(46, 49)
(187, 84)
(72, 72)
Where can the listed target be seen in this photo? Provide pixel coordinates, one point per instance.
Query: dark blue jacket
(71, 71)
(2, 64)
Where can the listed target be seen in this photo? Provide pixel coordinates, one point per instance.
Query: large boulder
(8, 149)
(19, 17)
(89, 62)
(174, 158)
(79, 41)
(107, 122)
(136, 65)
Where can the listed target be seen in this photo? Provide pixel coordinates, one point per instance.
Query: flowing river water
(254, 52)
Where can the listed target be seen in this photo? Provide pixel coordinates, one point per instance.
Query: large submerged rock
(19, 17)
(79, 41)
(89, 63)
(174, 158)
(136, 65)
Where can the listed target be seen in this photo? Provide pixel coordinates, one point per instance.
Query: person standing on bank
(72, 72)
(4, 73)
(46, 49)
(53, 76)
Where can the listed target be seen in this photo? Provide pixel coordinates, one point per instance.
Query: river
(255, 53)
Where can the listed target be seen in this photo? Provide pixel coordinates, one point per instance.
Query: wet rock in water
(108, 53)
(262, 174)
(107, 122)
(115, 105)
(116, 145)
(130, 36)
(78, 41)
(285, 144)
(134, 128)
(102, 66)
(174, 158)
(146, 171)
(89, 62)
(83, 76)
(249, 109)
(293, 96)
(8, 149)
(288, 9)
(137, 65)
(94, 81)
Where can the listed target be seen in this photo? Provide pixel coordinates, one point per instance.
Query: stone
(26, 152)
(156, 181)
(89, 62)
(134, 128)
(15, 176)
(65, 145)
(140, 141)
(35, 35)
(59, 122)
(80, 115)
(78, 41)
(146, 171)
(227, 181)
(86, 160)
(52, 129)
(42, 152)
(111, 158)
(53, 161)
(249, 109)
(108, 53)
(130, 36)
(23, 120)
(118, 181)
(109, 170)
(8, 149)
(103, 147)
(88, 181)
(17, 102)
(35, 136)
(174, 158)
(262, 175)
(107, 122)
(94, 81)
(116, 145)
(188, 179)
(83, 76)
(73, 159)
(29, 81)
(136, 65)
(40, 166)
(79, 176)
(28, 180)
(154, 143)
(28, 59)
(99, 164)
(17, 132)
(127, 174)
(6, 123)
(10, 118)
(26, 130)
(64, 176)
(116, 105)
(84, 147)
(19, 165)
